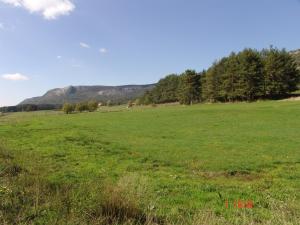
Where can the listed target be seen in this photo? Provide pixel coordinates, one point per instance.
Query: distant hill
(74, 94)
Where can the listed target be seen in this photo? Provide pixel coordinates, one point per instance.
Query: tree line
(29, 108)
(245, 76)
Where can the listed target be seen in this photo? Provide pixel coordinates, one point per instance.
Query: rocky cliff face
(74, 94)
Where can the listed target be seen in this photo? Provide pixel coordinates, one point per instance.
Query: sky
(46, 44)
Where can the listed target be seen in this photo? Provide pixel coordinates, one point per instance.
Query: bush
(130, 104)
(108, 103)
(68, 108)
(82, 106)
(92, 106)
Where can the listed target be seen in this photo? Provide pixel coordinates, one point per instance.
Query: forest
(248, 75)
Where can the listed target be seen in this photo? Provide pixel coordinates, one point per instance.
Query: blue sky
(46, 44)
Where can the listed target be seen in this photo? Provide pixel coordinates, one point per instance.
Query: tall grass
(27, 197)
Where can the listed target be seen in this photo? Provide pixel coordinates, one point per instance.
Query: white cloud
(84, 45)
(50, 9)
(1, 26)
(15, 77)
(103, 50)
(59, 57)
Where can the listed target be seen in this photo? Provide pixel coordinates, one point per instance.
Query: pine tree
(250, 74)
(280, 75)
(229, 78)
(211, 82)
(189, 91)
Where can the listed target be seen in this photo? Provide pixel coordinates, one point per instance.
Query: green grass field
(173, 164)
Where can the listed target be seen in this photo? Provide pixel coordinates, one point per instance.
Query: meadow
(169, 164)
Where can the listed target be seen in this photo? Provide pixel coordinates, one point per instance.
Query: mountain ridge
(100, 93)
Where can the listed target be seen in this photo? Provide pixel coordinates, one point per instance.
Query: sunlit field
(153, 165)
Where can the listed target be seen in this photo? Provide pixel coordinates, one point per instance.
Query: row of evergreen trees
(245, 76)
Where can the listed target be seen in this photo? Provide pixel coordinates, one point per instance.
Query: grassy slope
(192, 157)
